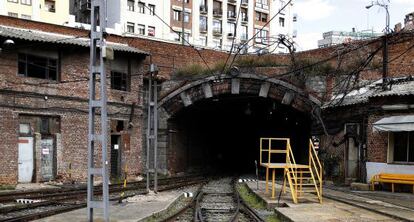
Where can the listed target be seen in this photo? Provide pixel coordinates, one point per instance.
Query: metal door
(26, 165)
(47, 148)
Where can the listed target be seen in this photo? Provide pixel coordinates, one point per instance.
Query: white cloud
(308, 41)
(312, 10)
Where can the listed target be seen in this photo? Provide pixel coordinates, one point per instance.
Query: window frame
(151, 9)
(125, 76)
(141, 27)
(128, 25)
(141, 7)
(391, 148)
(129, 7)
(47, 67)
(26, 2)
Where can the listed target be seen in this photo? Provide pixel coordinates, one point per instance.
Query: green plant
(7, 187)
(258, 61)
(251, 199)
(308, 68)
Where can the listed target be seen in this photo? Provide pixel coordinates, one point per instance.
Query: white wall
(376, 168)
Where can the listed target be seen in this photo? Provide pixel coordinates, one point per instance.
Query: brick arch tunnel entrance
(222, 134)
(216, 126)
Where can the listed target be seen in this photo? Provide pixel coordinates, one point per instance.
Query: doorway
(26, 160)
(115, 156)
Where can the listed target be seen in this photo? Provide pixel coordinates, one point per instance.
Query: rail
(315, 168)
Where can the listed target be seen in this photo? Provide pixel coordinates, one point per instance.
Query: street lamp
(385, 41)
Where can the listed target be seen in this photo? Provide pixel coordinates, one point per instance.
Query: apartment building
(216, 24)
(49, 11)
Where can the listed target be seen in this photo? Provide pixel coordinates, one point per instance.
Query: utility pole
(385, 42)
(97, 68)
(152, 126)
(182, 25)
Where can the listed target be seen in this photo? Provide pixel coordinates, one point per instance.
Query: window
(282, 22)
(186, 17)
(141, 7)
(28, 17)
(203, 40)
(177, 15)
(243, 33)
(37, 67)
(203, 24)
(151, 31)
(14, 1)
(216, 26)
(130, 27)
(152, 9)
(26, 2)
(403, 147)
(131, 5)
(141, 29)
(262, 17)
(12, 14)
(244, 15)
(177, 36)
(119, 81)
(232, 29)
(50, 6)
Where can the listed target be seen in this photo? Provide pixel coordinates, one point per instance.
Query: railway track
(49, 202)
(217, 201)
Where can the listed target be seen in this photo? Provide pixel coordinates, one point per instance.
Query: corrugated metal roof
(399, 87)
(40, 36)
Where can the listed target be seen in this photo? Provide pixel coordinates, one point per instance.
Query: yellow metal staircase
(301, 178)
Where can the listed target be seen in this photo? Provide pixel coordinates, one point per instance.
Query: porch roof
(395, 124)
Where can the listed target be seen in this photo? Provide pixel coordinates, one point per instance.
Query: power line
(182, 34)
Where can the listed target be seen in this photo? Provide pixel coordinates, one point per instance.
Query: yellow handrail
(315, 167)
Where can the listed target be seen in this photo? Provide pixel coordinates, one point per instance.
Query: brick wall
(67, 100)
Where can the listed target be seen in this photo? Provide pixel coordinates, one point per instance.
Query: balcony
(232, 1)
(217, 32)
(217, 12)
(245, 3)
(231, 15)
(203, 9)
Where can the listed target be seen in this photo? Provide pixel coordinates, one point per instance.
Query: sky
(318, 16)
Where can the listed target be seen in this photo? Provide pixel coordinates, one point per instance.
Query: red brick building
(44, 106)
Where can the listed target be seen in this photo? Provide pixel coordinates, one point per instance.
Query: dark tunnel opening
(221, 135)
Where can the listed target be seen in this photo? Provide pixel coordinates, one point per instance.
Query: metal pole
(149, 130)
(385, 50)
(97, 67)
(155, 109)
(182, 31)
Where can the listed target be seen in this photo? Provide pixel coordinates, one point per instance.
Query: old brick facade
(68, 100)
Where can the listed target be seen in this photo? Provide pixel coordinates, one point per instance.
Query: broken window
(119, 81)
(37, 67)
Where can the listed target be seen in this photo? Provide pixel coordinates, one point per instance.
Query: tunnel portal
(221, 134)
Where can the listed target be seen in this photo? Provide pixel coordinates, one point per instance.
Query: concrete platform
(136, 208)
(309, 209)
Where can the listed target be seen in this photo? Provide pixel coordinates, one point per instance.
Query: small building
(375, 133)
(48, 11)
(339, 37)
(44, 106)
